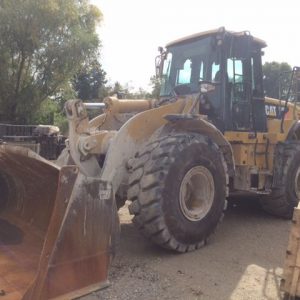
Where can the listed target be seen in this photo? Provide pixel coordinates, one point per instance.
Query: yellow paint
(249, 150)
(294, 109)
(274, 127)
(142, 125)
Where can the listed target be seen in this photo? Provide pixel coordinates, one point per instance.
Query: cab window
(184, 74)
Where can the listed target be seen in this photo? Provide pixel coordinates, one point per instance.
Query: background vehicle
(176, 159)
(45, 140)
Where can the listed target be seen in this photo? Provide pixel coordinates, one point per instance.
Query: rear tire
(4, 191)
(286, 194)
(178, 189)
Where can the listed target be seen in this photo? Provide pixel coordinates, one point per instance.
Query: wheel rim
(197, 191)
(297, 183)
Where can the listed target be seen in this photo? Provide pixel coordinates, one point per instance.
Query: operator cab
(227, 68)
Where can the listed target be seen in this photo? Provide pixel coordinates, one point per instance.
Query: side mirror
(159, 62)
(158, 66)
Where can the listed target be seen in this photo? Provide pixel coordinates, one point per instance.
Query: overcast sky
(132, 30)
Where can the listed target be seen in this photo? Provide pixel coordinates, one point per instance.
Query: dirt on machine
(211, 135)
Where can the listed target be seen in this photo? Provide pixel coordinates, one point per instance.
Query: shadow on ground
(243, 260)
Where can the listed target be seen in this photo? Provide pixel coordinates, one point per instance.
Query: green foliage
(46, 112)
(89, 82)
(276, 79)
(127, 92)
(51, 110)
(155, 83)
(43, 44)
(116, 89)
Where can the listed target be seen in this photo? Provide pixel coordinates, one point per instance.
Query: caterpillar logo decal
(271, 111)
(274, 111)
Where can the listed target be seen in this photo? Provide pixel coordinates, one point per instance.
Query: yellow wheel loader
(211, 134)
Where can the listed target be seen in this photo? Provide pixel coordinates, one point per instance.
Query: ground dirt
(243, 260)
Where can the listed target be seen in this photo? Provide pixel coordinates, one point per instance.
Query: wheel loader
(211, 134)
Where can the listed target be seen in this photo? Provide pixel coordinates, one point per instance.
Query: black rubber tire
(154, 184)
(120, 202)
(282, 200)
(8, 190)
(4, 191)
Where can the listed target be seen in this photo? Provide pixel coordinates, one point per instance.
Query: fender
(149, 124)
(133, 135)
(294, 132)
(198, 124)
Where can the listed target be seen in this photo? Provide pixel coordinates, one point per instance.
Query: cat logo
(271, 110)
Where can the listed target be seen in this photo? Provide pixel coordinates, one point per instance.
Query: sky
(132, 30)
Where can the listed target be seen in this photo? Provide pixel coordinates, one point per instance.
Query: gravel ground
(243, 260)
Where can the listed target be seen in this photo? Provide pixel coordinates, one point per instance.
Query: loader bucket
(56, 228)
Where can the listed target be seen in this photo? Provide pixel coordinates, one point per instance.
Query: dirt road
(243, 260)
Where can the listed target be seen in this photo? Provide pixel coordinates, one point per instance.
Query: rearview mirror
(158, 66)
(159, 62)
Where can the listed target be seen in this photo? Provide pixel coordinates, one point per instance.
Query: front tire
(178, 189)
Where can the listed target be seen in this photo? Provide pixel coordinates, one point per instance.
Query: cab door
(238, 95)
(239, 83)
(244, 85)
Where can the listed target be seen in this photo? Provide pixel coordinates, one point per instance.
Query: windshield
(188, 64)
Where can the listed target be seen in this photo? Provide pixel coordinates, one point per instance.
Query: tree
(127, 91)
(155, 83)
(43, 44)
(276, 78)
(117, 89)
(90, 82)
(51, 110)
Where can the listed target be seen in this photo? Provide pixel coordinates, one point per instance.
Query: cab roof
(221, 30)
